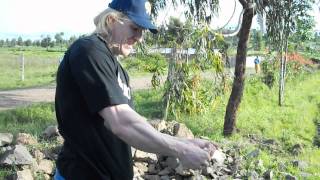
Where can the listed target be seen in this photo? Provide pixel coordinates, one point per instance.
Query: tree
(13, 42)
(71, 40)
(59, 39)
(203, 11)
(285, 18)
(7, 43)
(36, 43)
(28, 42)
(257, 40)
(20, 41)
(239, 79)
(45, 42)
(2, 43)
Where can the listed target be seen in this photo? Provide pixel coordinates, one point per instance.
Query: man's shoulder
(87, 41)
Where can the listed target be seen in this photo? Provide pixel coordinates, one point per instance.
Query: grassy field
(259, 118)
(40, 67)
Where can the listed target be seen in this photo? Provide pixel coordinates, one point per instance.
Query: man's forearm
(137, 132)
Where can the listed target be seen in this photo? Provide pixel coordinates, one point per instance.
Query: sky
(33, 18)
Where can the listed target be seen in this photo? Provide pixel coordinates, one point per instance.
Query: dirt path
(22, 97)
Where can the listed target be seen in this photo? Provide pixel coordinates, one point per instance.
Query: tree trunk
(171, 73)
(238, 83)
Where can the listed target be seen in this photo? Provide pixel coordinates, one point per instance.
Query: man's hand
(206, 145)
(193, 157)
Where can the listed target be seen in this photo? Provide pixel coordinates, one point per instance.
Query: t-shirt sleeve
(94, 72)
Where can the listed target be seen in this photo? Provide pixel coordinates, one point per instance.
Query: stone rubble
(5, 139)
(225, 163)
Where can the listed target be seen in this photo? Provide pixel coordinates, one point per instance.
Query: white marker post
(22, 67)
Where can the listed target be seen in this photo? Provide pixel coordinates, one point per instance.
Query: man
(94, 105)
(257, 64)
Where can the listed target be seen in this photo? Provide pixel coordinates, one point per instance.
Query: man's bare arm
(132, 128)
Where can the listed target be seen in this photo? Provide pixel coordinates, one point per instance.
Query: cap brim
(144, 23)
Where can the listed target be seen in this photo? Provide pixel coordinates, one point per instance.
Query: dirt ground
(22, 97)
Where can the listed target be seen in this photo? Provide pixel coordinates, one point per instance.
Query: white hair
(103, 25)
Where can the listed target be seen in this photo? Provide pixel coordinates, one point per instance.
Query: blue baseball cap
(137, 11)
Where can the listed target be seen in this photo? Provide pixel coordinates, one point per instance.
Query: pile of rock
(156, 167)
(22, 154)
(30, 159)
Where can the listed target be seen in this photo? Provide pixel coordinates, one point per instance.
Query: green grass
(33, 119)
(40, 67)
(261, 116)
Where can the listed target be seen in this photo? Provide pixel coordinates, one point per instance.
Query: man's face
(125, 34)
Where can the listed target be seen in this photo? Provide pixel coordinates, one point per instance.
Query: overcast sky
(35, 17)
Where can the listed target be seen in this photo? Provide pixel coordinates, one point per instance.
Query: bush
(146, 63)
(271, 70)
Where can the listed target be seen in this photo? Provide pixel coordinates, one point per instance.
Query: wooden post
(22, 67)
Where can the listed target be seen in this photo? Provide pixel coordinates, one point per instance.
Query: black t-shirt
(89, 79)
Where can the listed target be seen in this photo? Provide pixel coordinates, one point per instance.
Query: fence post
(22, 67)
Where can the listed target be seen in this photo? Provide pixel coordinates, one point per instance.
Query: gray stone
(5, 148)
(133, 151)
(253, 154)
(182, 172)
(19, 155)
(282, 167)
(52, 153)
(165, 178)
(38, 155)
(270, 142)
(227, 170)
(208, 171)
(46, 166)
(59, 139)
(224, 177)
(46, 177)
(165, 171)
(253, 175)
(300, 164)
(197, 177)
(50, 131)
(136, 172)
(218, 157)
(152, 177)
(170, 128)
(25, 139)
(158, 124)
(5, 139)
(181, 130)
(296, 149)
(259, 165)
(142, 167)
(230, 160)
(290, 177)
(145, 157)
(25, 174)
(152, 169)
(171, 162)
(305, 175)
(268, 174)
(138, 178)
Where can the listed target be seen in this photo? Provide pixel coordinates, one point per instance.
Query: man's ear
(110, 20)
